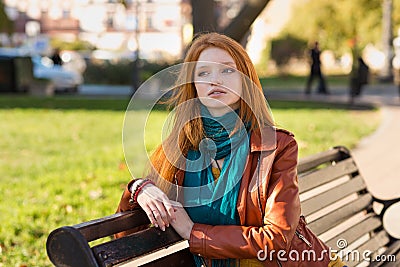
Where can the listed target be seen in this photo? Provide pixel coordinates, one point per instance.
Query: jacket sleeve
(124, 205)
(281, 216)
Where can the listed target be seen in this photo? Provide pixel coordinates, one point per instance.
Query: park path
(377, 155)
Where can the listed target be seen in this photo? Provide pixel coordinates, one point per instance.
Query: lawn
(62, 160)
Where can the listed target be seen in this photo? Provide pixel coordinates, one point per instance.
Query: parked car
(64, 80)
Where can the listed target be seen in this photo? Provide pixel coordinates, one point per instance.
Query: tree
(240, 25)
(337, 24)
(285, 48)
(204, 20)
(387, 37)
(6, 24)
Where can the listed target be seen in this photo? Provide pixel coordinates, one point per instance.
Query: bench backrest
(339, 208)
(334, 199)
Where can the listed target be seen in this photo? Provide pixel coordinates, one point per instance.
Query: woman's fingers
(150, 215)
(163, 213)
(157, 206)
(170, 210)
(157, 214)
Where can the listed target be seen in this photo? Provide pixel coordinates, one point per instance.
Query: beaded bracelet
(138, 188)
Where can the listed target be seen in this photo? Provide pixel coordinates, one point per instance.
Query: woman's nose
(216, 79)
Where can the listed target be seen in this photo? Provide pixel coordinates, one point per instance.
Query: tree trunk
(239, 26)
(204, 20)
(203, 16)
(6, 25)
(387, 35)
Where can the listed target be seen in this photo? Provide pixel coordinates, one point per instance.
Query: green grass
(62, 161)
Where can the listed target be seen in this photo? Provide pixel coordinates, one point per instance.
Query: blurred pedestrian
(396, 71)
(57, 60)
(315, 71)
(360, 77)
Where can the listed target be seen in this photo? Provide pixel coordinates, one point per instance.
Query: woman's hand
(157, 206)
(183, 224)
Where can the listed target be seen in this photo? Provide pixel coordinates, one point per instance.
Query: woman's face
(218, 83)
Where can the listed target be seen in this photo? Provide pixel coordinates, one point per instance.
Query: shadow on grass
(120, 104)
(291, 104)
(69, 103)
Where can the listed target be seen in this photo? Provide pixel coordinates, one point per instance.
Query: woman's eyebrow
(228, 63)
(202, 67)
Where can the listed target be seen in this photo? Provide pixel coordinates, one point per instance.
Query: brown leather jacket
(270, 179)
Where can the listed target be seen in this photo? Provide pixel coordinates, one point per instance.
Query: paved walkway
(378, 155)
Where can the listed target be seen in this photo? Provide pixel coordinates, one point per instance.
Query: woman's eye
(202, 73)
(228, 70)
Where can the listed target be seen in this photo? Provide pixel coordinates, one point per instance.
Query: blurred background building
(107, 25)
(154, 28)
(159, 30)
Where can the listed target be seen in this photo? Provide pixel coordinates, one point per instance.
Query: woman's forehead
(215, 54)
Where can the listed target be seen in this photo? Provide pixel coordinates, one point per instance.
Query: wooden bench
(334, 199)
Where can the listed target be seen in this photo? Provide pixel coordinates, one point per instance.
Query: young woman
(225, 178)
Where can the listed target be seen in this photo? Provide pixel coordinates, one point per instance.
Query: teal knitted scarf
(207, 201)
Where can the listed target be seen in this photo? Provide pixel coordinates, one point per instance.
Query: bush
(105, 72)
(77, 45)
(285, 48)
(120, 72)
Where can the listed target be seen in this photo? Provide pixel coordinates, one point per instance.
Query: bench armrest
(69, 245)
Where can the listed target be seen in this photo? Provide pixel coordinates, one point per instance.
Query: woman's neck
(219, 112)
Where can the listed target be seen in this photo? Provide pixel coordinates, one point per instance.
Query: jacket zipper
(177, 187)
(303, 238)
(203, 262)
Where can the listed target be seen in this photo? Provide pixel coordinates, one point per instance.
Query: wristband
(138, 188)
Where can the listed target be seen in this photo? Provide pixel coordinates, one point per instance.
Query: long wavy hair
(187, 129)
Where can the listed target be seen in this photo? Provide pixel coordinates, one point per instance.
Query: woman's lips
(216, 92)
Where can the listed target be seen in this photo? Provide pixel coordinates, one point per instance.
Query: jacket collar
(263, 139)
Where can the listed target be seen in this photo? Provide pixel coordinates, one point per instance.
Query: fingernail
(168, 225)
(156, 225)
(163, 228)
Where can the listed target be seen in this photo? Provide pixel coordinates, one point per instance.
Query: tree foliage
(285, 48)
(6, 24)
(340, 24)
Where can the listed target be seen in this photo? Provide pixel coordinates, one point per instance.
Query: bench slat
(391, 250)
(376, 242)
(125, 248)
(333, 195)
(312, 161)
(337, 216)
(182, 258)
(113, 224)
(327, 174)
(355, 232)
(393, 264)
